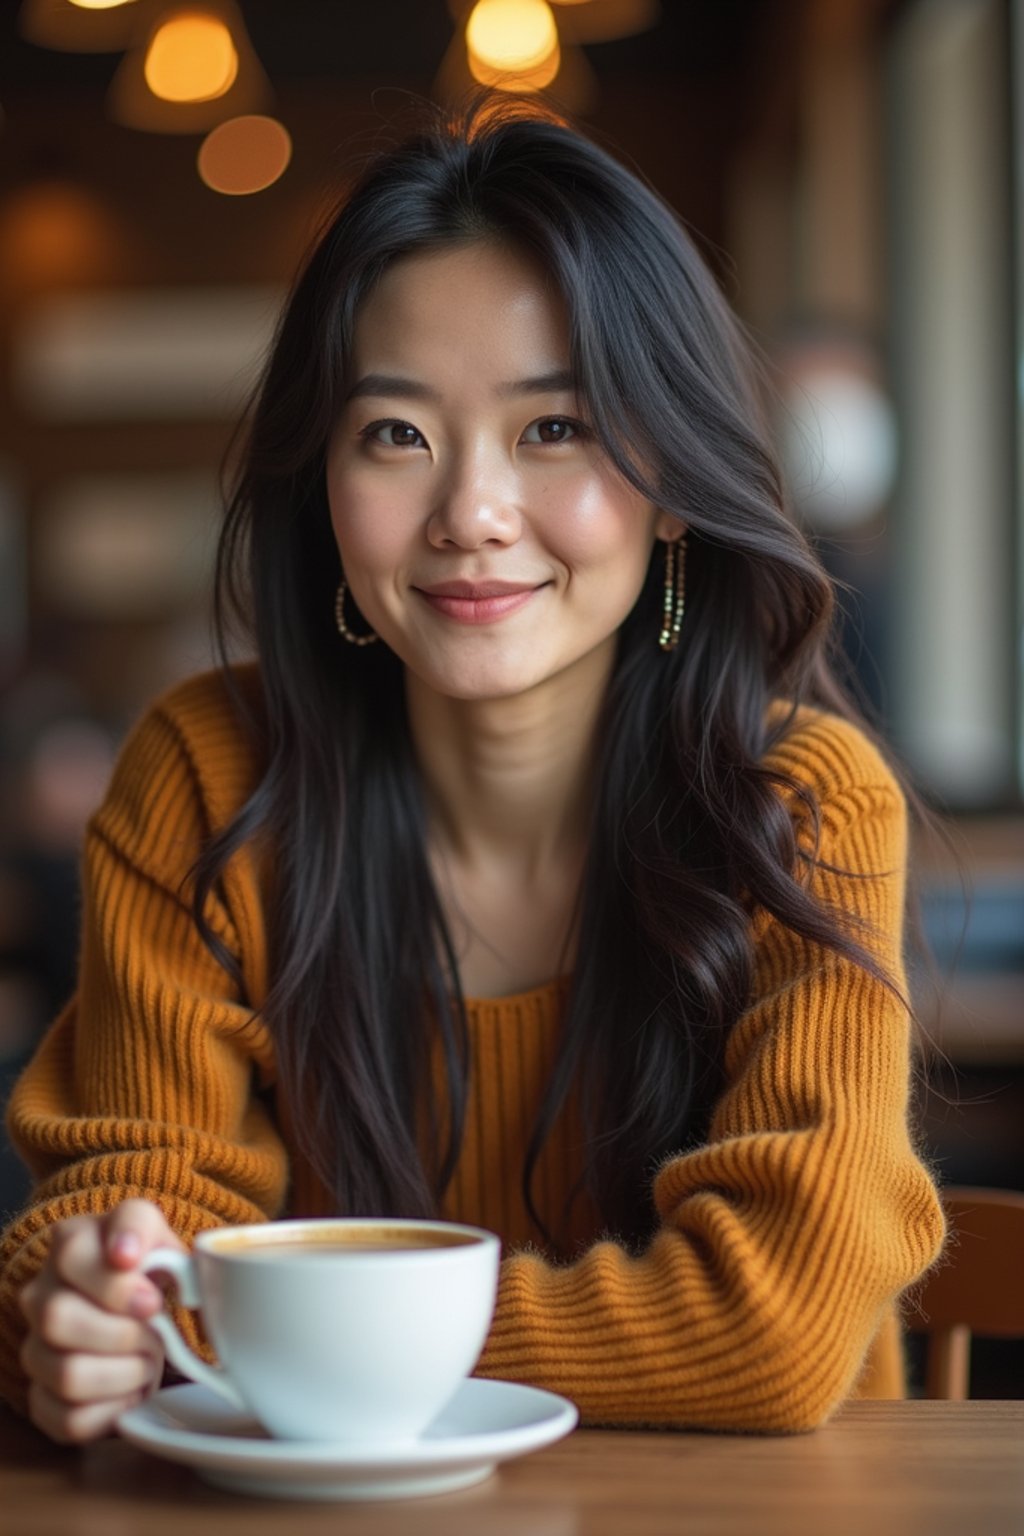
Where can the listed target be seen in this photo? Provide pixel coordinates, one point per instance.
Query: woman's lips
(476, 604)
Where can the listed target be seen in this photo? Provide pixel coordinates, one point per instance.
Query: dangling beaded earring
(339, 619)
(675, 593)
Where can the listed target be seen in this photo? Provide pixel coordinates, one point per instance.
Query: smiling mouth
(483, 604)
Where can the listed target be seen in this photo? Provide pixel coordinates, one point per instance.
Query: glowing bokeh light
(513, 36)
(524, 81)
(55, 233)
(100, 5)
(244, 155)
(191, 57)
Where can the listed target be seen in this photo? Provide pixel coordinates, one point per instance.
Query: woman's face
(483, 532)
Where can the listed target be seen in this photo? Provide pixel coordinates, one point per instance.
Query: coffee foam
(320, 1242)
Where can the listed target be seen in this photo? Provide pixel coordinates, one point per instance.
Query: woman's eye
(555, 429)
(392, 434)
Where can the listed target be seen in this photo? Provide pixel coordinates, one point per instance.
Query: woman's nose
(477, 504)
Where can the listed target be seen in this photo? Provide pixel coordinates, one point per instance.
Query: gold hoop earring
(675, 593)
(339, 619)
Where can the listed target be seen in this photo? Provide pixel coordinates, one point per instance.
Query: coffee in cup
(350, 1330)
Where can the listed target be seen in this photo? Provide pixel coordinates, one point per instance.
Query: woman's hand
(89, 1354)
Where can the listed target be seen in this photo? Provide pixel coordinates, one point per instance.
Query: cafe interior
(851, 170)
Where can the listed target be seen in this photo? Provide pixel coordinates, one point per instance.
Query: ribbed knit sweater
(768, 1293)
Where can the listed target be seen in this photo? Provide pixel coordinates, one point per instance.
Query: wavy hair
(689, 832)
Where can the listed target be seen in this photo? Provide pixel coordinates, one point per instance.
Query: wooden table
(880, 1469)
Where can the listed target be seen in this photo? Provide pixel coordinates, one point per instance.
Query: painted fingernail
(125, 1245)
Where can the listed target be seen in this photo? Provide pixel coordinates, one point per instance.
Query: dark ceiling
(356, 40)
(676, 100)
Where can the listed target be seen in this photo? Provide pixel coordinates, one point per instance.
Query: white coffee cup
(338, 1329)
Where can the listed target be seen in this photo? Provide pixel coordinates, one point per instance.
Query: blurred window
(957, 519)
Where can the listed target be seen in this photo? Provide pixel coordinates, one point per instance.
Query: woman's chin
(514, 673)
(478, 684)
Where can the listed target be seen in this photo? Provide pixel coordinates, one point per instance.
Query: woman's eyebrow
(392, 384)
(554, 382)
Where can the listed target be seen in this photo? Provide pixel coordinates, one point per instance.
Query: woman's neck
(509, 781)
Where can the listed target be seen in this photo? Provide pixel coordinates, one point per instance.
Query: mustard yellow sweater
(768, 1294)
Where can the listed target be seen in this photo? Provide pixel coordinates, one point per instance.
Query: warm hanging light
(524, 80)
(590, 21)
(191, 57)
(245, 155)
(576, 88)
(511, 36)
(98, 5)
(180, 80)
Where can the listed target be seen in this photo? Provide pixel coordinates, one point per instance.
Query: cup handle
(181, 1268)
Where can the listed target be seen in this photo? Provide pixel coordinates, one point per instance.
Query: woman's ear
(669, 528)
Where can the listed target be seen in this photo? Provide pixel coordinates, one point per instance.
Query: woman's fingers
(133, 1229)
(64, 1319)
(78, 1258)
(88, 1354)
(74, 1425)
(77, 1377)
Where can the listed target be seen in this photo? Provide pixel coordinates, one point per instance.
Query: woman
(537, 876)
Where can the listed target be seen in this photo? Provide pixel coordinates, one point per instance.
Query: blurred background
(852, 170)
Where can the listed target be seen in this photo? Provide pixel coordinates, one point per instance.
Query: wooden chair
(978, 1288)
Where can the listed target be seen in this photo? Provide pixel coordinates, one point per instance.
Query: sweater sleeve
(148, 1084)
(785, 1238)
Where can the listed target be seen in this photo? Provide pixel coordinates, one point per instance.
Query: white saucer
(485, 1422)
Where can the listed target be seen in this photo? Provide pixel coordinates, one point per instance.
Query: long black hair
(689, 833)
